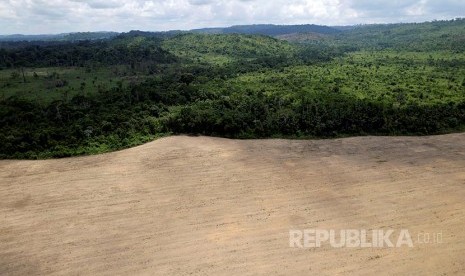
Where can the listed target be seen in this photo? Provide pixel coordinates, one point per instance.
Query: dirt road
(210, 206)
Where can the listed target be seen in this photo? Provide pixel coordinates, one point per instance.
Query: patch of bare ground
(210, 206)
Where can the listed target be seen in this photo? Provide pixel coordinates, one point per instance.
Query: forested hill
(264, 29)
(436, 35)
(271, 30)
(79, 36)
(121, 50)
(65, 98)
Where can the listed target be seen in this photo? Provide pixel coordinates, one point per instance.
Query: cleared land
(210, 206)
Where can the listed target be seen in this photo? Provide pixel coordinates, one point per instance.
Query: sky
(62, 16)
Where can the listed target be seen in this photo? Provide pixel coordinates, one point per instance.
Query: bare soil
(210, 206)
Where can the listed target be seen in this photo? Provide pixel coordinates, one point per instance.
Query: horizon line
(230, 26)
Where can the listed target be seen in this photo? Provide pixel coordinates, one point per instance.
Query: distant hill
(89, 36)
(20, 37)
(417, 36)
(60, 37)
(271, 30)
(427, 36)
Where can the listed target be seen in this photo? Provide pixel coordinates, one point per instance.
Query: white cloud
(100, 4)
(53, 16)
(417, 9)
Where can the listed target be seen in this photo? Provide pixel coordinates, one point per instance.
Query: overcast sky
(58, 16)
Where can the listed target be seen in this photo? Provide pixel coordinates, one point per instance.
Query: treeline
(83, 53)
(255, 115)
(429, 36)
(124, 117)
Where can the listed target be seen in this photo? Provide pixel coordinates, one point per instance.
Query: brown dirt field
(210, 206)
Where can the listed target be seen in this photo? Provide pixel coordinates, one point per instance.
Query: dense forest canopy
(90, 94)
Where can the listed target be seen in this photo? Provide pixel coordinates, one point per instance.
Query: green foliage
(430, 36)
(84, 53)
(221, 49)
(92, 97)
(44, 85)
